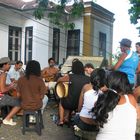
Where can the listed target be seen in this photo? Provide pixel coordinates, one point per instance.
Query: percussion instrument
(61, 89)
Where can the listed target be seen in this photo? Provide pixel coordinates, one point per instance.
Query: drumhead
(61, 89)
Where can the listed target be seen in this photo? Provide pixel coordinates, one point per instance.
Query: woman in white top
(116, 110)
(88, 97)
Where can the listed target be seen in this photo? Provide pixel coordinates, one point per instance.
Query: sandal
(60, 123)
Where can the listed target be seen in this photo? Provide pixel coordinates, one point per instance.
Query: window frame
(14, 49)
(73, 37)
(27, 50)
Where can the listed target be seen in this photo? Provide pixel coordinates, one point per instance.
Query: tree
(134, 11)
(59, 13)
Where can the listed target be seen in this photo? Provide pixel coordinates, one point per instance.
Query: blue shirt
(130, 65)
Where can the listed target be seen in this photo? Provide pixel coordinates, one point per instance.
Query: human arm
(4, 88)
(120, 61)
(136, 92)
(138, 68)
(44, 73)
(81, 99)
(43, 89)
(63, 79)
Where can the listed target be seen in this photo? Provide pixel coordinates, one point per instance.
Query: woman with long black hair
(116, 110)
(88, 98)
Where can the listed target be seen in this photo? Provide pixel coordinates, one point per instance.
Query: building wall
(106, 29)
(41, 34)
(89, 25)
(79, 25)
(97, 19)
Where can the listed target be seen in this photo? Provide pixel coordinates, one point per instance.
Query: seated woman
(31, 88)
(5, 98)
(88, 98)
(77, 79)
(116, 110)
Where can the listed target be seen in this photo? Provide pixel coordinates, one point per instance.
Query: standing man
(128, 61)
(89, 68)
(14, 72)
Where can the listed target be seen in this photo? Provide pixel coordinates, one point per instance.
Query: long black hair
(78, 67)
(118, 84)
(33, 68)
(98, 78)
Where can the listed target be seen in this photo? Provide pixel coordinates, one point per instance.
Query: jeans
(84, 126)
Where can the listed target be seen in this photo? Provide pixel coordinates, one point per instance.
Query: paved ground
(50, 132)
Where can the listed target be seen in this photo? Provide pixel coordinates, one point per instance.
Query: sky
(122, 26)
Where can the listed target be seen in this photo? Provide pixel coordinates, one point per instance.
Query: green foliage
(39, 13)
(134, 11)
(77, 9)
(57, 16)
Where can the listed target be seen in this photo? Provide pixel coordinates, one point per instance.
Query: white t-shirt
(90, 97)
(13, 73)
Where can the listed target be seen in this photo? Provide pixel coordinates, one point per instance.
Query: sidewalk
(50, 132)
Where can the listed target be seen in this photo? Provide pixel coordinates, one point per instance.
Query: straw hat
(61, 89)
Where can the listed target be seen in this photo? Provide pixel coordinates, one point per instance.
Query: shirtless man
(50, 74)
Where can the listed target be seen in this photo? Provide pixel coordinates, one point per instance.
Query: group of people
(30, 88)
(105, 103)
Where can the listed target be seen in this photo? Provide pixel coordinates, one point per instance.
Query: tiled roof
(19, 4)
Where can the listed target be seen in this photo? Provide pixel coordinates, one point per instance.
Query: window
(28, 43)
(55, 50)
(73, 42)
(102, 44)
(14, 43)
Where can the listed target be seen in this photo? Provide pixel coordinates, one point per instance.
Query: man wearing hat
(5, 99)
(128, 61)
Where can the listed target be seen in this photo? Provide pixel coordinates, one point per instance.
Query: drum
(61, 89)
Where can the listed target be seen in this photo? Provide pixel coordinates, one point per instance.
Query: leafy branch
(61, 12)
(134, 11)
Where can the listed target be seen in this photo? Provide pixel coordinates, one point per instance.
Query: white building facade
(25, 38)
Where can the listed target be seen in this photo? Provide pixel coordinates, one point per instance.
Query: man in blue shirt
(128, 61)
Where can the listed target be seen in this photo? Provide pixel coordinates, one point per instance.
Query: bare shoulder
(132, 100)
(87, 87)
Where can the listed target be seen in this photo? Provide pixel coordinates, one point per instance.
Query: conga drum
(61, 89)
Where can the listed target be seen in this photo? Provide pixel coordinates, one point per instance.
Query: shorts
(7, 100)
(67, 104)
